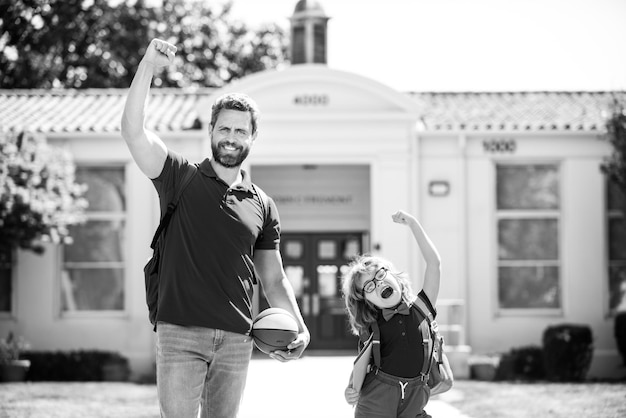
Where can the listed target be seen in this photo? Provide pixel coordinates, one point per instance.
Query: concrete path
(310, 387)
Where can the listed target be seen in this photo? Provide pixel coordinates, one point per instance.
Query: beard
(229, 159)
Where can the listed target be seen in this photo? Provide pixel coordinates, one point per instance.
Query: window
(298, 47)
(617, 248)
(528, 204)
(93, 270)
(319, 43)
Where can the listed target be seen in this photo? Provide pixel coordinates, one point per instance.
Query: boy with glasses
(379, 300)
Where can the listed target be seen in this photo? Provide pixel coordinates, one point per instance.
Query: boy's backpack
(436, 365)
(440, 377)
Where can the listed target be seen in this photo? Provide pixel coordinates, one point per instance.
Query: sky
(469, 45)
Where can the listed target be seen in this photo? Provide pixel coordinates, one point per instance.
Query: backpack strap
(171, 207)
(425, 308)
(376, 344)
(264, 200)
(428, 346)
(428, 328)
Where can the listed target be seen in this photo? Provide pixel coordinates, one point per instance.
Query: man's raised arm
(147, 149)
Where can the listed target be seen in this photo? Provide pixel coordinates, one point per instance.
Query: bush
(524, 363)
(483, 367)
(11, 348)
(70, 366)
(567, 352)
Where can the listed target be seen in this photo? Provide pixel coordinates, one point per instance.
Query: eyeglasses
(370, 285)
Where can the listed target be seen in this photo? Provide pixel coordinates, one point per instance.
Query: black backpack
(151, 269)
(436, 368)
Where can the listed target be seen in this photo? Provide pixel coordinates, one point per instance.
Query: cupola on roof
(308, 33)
(308, 5)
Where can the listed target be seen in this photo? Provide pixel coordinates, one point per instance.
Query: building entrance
(314, 263)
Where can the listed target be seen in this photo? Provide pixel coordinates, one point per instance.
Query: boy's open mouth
(386, 292)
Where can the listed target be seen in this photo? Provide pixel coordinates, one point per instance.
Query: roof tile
(171, 110)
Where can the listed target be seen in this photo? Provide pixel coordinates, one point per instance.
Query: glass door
(314, 264)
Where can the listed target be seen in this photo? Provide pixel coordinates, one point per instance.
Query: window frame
(122, 265)
(524, 214)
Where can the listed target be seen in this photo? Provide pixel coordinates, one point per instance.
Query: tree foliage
(94, 44)
(614, 166)
(213, 49)
(58, 43)
(39, 198)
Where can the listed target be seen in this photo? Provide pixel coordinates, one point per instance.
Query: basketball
(273, 329)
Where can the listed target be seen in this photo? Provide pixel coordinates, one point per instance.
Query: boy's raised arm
(432, 274)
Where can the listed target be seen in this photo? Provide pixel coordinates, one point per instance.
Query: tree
(614, 166)
(79, 44)
(39, 198)
(93, 44)
(214, 50)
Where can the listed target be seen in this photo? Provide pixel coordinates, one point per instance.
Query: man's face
(232, 137)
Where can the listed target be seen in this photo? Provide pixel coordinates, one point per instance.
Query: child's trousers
(387, 396)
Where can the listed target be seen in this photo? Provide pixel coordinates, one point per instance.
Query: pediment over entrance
(316, 91)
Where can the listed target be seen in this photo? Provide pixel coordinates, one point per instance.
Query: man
(222, 237)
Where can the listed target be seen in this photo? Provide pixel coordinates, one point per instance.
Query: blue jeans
(201, 368)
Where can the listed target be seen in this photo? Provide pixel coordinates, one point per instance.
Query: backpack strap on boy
(376, 344)
(428, 328)
(428, 335)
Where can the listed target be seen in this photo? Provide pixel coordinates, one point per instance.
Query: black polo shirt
(207, 269)
(401, 349)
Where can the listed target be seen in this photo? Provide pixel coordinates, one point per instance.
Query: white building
(507, 185)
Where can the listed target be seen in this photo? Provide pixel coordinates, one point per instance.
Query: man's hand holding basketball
(159, 53)
(294, 349)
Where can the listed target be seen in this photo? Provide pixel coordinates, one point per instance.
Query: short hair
(236, 101)
(362, 313)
